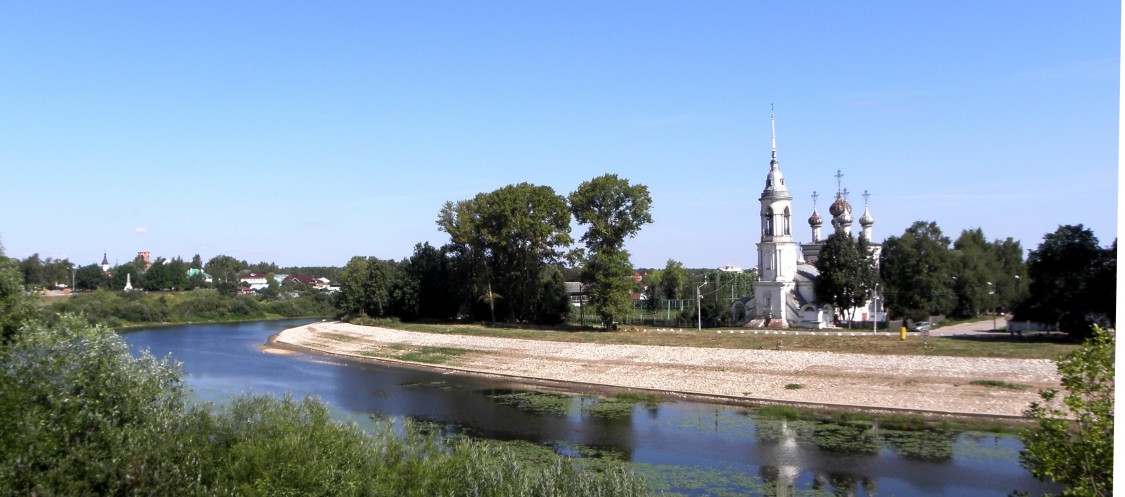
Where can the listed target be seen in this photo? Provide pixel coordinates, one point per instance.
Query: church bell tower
(777, 252)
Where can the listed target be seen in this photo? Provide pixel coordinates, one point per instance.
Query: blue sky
(308, 133)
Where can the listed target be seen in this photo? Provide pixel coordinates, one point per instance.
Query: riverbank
(929, 385)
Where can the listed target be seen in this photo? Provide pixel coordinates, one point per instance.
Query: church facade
(785, 295)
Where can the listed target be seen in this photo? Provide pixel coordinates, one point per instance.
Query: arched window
(786, 222)
(767, 222)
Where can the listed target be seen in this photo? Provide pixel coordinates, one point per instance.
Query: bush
(82, 416)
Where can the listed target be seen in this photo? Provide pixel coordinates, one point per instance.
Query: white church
(784, 295)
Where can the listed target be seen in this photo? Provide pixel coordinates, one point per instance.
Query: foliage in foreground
(1072, 440)
(82, 416)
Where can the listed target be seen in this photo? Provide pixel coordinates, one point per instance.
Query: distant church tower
(105, 263)
(777, 252)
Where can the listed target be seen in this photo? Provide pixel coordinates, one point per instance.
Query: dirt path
(925, 384)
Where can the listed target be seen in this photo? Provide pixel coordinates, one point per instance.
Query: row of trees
(507, 255)
(162, 274)
(1068, 279)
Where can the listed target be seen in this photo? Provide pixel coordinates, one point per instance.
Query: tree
(1073, 280)
(503, 241)
(224, 268)
(847, 275)
(1072, 440)
(166, 275)
(32, 269)
(125, 273)
(196, 261)
(90, 277)
(673, 280)
(609, 280)
(370, 286)
(977, 271)
(918, 271)
(613, 210)
(428, 280)
(16, 306)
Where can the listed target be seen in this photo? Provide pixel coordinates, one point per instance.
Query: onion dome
(840, 207)
(866, 220)
(845, 218)
(815, 220)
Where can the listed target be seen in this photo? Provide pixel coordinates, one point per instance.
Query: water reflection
(691, 448)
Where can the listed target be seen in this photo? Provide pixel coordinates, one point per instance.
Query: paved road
(982, 327)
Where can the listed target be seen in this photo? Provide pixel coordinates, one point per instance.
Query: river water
(682, 447)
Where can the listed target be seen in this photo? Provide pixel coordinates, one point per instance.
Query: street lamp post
(875, 310)
(992, 292)
(699, 304)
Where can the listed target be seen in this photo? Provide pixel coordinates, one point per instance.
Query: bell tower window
(767, 222)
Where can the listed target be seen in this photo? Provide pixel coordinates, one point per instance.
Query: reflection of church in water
(784, 294)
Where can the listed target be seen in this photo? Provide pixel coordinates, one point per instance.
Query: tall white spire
(773, 135)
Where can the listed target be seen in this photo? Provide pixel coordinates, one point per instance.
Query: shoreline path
(929, 385)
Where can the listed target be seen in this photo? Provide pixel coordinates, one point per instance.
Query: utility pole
(699, 304)
(875, 310)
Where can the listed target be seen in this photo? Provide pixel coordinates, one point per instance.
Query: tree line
(1068, 280)
(507, 258)
(161, 274)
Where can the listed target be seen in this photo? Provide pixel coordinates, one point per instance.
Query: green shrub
(81, 416)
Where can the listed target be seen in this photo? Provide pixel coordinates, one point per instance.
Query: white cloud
(141, 231)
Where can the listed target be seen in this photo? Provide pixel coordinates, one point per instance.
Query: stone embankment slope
(928, 384)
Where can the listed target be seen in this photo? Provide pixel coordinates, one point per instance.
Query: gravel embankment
(916, 383)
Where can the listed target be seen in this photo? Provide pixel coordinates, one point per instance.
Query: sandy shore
(923, 384)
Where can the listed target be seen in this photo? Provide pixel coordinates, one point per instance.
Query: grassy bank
(884, 343)
(123, 309)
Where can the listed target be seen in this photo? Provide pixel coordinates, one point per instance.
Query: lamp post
(992, 292)
(699, 304)
(875, 310)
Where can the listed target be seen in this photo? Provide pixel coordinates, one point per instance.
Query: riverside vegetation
(117, 309)
(82, 416)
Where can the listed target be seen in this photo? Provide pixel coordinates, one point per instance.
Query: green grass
(433, 355)
(794, 386)
(338, 337)
(864, 343)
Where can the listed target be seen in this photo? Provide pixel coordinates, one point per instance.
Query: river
(683, 447)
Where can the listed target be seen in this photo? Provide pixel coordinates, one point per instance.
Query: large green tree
(1073, 280)
(987, 275)
(674, 280)
(429, 284)
(918, 270)
(976, 271)
(370, 286)
(90, 277)
(166, 274)
(504, 243)
(612, 210)
(224, 268)
(847, 274)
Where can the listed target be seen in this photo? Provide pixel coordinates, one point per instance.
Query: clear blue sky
(308, 133)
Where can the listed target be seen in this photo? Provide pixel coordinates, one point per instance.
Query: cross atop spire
(866, 196)
(839, 177)
(814, 197)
